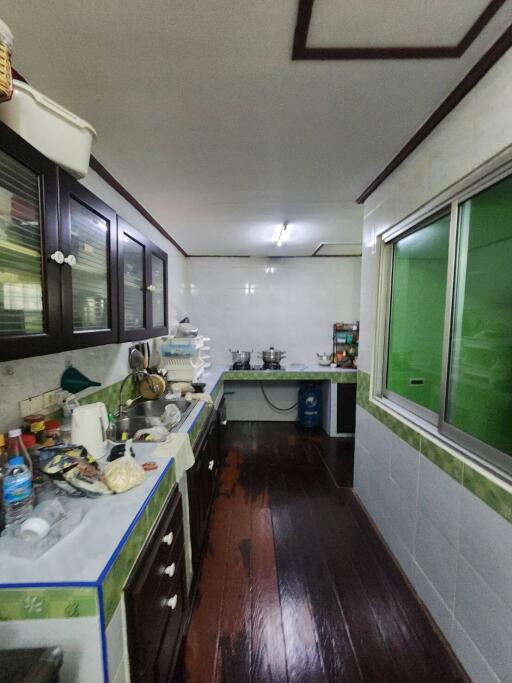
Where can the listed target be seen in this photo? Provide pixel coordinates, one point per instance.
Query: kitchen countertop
(86, 553)
(84, 557)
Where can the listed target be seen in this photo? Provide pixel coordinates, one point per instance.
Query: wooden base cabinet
(202, 486)
(156, 599)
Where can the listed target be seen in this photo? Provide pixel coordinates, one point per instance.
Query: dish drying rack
(185, 358)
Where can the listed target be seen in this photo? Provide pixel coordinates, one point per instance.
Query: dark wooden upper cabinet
(62, 283)
(158, 311)
(89, 273)
(142, 285)
(29, 277)
(133, 250)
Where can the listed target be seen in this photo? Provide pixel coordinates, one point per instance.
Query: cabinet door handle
(172, 602)
(168, 538)
(70, 260)
(211, 464)
(170, 570)
(58, 257)
(151, 288)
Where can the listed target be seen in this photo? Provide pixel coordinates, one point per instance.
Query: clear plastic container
(50, 521)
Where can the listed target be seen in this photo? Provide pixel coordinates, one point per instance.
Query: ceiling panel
(391, 23)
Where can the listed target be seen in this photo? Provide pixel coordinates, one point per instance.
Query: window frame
(485, 455)
(425, 413)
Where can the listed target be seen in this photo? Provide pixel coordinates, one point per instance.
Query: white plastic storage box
(61, 136)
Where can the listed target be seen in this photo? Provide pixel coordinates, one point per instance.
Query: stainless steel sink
(157, 407)
(143, 414)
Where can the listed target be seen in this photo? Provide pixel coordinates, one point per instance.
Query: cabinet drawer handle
(70, 260)
(170, 570)
(211, 464)
(168, 538)
(58, 257)
(172, 602)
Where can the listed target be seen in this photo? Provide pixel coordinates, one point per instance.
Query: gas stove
(254, 368)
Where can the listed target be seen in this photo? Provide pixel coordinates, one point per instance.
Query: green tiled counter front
(489, 492)
(18, 604)
(336, 377)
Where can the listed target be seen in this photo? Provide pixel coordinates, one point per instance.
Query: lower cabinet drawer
(154, 598)
(169, 645)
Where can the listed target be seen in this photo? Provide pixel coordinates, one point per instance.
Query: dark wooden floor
(295, 584)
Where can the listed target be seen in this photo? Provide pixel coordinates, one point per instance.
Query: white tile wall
(116, 637)
(241, 306)
(460, 561)
(79, 639)
(456, 551)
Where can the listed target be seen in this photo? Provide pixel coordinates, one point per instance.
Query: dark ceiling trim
(498, 49)
(321, 245)
(302, 52)
(98, 167)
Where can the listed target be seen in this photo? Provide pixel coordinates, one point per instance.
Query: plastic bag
(171, 416)
(123, 474)
(159, 433)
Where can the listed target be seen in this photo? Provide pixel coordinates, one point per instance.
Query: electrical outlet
(25, 408)
(31, 405)
(50, 398)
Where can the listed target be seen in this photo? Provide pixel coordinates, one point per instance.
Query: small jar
(53, 430)
(34, 424)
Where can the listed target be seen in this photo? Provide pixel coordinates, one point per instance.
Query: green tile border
(490, 493)
(20, 604)
(443, 459)
(109, 395)
(115, 580)
(252, 375)
(487, 490)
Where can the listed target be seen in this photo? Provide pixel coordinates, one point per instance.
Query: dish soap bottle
(18, 497)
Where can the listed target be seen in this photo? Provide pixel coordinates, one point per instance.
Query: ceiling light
(282, 235)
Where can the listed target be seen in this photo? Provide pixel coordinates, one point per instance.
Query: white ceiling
(391, 23)
(205, 119)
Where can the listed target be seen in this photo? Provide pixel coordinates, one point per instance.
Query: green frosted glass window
(418, 291)
(479, 395)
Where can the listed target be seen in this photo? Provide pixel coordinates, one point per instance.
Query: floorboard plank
(268, 656)
(234, 650)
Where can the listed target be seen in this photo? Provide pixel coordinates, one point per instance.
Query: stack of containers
(184, 358)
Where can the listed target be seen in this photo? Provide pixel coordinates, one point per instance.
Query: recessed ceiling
(203, 116)
(392, 23)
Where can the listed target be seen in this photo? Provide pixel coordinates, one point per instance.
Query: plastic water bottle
(18, 495)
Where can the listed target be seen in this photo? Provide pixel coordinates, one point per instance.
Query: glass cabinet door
(89, 270)
(158, 292)
(29, 278)
(133, 293)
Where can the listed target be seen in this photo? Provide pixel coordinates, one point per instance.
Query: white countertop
(82, 556)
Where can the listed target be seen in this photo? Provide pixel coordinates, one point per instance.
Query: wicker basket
(5, 74)
(6, 45)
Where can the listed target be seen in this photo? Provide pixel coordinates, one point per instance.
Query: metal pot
(272, 355)
(240, 357)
